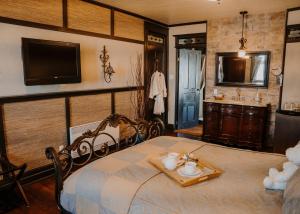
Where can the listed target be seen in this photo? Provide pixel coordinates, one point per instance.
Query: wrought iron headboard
(84, 145)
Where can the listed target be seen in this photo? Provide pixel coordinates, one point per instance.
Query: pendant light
(243, 41)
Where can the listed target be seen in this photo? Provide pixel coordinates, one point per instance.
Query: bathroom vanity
(235, 122)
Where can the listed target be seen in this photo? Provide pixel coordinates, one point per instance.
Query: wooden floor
(196, 131)
(41, 198)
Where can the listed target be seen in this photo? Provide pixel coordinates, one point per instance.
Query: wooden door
(189, 67)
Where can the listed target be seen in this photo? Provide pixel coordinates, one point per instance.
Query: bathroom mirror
(249, 71)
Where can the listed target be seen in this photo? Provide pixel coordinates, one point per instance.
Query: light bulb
(241, 53)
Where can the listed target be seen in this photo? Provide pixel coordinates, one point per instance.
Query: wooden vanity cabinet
(211, 118)
(235, 124)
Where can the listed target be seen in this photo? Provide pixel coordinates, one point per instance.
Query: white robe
(158, 91)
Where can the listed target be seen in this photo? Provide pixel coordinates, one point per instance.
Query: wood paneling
(128, 26)
(86, 109)
(88, 17)
(39, 11)
(123, 104)
(31, 127)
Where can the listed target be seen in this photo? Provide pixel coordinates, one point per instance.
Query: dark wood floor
(41, 197)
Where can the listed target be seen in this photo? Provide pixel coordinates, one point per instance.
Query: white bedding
(125, 182)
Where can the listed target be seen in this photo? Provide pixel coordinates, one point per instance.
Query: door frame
(201, 47)
(160, 31)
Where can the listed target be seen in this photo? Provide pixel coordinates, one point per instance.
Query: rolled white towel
(288, 171)
(293, 155)
(269, 183)
(279, 185)
(273, 172)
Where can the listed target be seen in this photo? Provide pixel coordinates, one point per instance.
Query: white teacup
(190, 167)
(170, 162)
(173, 155)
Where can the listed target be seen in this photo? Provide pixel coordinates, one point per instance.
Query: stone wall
(264, 32)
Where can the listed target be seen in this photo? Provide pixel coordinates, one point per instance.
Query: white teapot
(170, 162)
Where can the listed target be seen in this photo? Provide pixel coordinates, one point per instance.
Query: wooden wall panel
(32, 126)
(123, 104)
(128, 26)
(88, 17)
(91, 108)
(40, 11)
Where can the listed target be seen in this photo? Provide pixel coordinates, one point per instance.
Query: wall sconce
(107, 69)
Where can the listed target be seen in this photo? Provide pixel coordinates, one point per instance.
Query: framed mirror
(249, 71)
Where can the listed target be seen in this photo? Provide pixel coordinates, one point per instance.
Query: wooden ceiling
(180, 11)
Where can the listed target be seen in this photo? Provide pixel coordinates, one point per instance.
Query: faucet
(238, 93)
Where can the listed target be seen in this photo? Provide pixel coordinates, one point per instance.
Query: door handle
(198, 89)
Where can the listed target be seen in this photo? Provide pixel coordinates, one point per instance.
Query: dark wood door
(189, 67)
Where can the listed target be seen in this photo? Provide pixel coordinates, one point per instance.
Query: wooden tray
(209, 170)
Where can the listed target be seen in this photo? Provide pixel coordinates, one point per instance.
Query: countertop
(233, 102)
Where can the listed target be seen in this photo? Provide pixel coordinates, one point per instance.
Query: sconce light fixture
(107, 69)
(243, 40)
(217, 1)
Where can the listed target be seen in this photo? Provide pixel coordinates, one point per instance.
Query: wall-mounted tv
(50, 62)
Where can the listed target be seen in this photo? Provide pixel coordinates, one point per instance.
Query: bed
(125, 182)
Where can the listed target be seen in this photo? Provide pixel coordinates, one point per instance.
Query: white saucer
(182, 172)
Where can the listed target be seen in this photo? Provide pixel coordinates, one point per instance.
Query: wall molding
(66, 30)
(42, 96)
(292, 9)
(2, 135)
(126, 12)
(65, 13)
(68, 118)
(188, 23)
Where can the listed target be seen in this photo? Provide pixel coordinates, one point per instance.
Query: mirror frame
(266, 82)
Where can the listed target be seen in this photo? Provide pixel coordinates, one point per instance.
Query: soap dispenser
(257, 96)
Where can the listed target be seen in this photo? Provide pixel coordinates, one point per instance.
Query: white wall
(186, 29)
(11, 65)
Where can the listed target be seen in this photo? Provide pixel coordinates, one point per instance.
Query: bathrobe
(158, 91)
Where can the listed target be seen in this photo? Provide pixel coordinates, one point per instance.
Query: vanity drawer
(231, 109)
(210, 107)
(254, 111)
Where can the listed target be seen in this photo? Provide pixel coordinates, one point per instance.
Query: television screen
(50, 62)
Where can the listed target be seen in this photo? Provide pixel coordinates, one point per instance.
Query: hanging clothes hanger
(156, 61)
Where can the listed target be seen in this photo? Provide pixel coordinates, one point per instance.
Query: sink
(236, 102)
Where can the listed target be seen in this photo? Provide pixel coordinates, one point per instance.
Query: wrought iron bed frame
(65, 164)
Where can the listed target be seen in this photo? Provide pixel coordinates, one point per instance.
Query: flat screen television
(50, 62)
